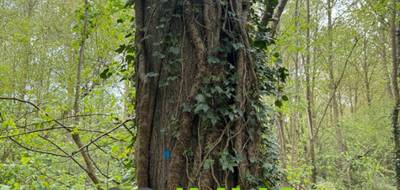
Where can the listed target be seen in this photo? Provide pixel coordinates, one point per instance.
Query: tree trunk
(395, 114)
(295, 134)
(196, 96)
(309, 97)
(334, 105)
(365, 67)
(386, 69)
(90, 169)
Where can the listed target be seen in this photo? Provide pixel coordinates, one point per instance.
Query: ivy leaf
(201, 108)
(237, 46)
(159, 55)
(283, 74)
(213, 60)
(151, 74)
(285, 98)
(208, 163)
(174, 50)
(227, 161)
(262, 44)
(200, 98)
(186, 108)
(278, 103)
(213, 119)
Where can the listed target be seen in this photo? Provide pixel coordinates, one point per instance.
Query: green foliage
(367, 161)
(39, 65)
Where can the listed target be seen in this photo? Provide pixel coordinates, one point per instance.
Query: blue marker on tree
(167, 154)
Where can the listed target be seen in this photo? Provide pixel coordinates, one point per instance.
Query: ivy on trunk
(201, 73)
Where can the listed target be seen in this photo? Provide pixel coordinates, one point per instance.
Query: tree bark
(90, 169)
(294, 128)
(365, 67)
(309, 97)
(395, 28)
(185, 64)
(333, 88)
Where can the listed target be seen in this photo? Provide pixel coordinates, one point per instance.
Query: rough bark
(175, 41)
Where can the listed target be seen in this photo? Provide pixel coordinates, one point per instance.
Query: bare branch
(35, 150)
(336, 87)
(102, 135)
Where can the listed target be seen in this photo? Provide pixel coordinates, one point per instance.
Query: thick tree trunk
(195, 93)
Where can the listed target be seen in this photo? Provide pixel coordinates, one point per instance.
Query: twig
(101, 136)
(66, 153)
(336, 87)
(37, 151)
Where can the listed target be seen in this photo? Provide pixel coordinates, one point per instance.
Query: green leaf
(237, 46)
(106, 74)
(278, 103)
(213, 60)
(120, 20)
(201, 108)
(200, 98)
(151, 74)
(4, 187)
(262, 44)
(129, 3)
(208, 163)
(25, 160)
(285, 98)
(174, 50)
(121, 48)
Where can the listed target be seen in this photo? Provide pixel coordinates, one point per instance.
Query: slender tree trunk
(335, 109)
(184, 64)
(309, 98)
(333, 89)
(282, 138)
(296, 115)
(395, 69)
(386, 68)
(365, 67)
(90, 169)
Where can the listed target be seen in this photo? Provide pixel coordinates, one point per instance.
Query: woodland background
(62, 63)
